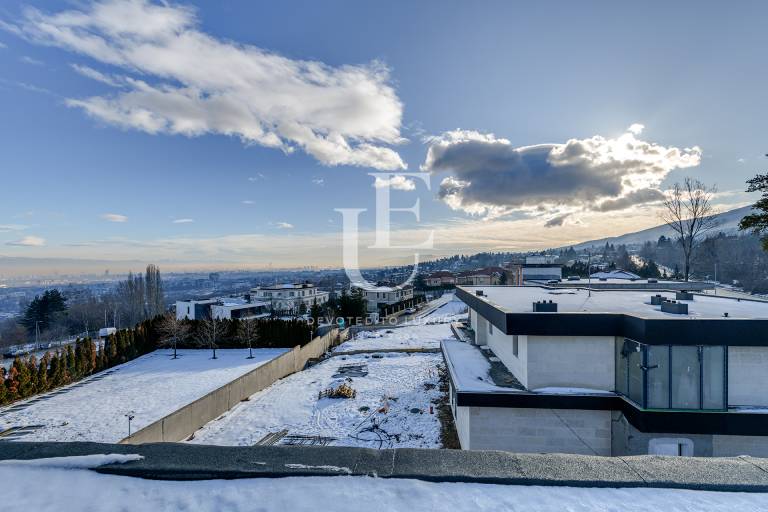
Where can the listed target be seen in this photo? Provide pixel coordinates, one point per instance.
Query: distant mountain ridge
(728, 223)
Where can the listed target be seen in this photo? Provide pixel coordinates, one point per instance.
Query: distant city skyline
(224, 135)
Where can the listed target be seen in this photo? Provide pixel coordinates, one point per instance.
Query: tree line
(29, 375)
(54, 315)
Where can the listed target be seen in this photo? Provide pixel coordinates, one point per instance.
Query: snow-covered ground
(150, 387)
(424, 331)
(402, 337)
(446, 309)
(64, 486)
(391, 409)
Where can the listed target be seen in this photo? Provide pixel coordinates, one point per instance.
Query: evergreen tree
(71, 365)
(3, 388)
(42, 311)
(26, 386)
(757, 222)
(12, 382)
(41, 379)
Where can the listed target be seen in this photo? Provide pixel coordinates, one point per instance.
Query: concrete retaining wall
(182, 423)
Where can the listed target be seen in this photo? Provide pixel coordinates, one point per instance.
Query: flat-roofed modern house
(610, 372)
(290, 298)
(534, 268)
(220, 309)
(379, 297)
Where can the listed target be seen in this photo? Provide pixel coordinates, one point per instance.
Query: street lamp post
(130, 415)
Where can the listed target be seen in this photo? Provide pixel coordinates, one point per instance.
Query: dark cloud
(490, 176)
(647, 195)
(556, 221)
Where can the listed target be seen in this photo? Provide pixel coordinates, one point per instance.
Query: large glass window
(671, 376)
(635, 360)
(713, 383)
(658, 376)
(621, 366)
(686, 373)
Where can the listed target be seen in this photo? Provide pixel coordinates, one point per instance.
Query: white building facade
(611, 373)
(290, 298)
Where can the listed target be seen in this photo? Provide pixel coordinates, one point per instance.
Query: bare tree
(209, 331)
(689, 212)
(172, 330)
(248, 332)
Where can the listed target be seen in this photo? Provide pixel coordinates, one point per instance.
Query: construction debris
(342, 391)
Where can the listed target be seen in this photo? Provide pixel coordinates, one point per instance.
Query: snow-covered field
(64, 486)
(425, 331)
(150, 387)
(404, 337)
(391, 409)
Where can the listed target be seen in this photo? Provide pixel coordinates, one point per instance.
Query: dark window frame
(624, 359)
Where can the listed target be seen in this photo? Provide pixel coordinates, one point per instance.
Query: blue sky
(398, 81)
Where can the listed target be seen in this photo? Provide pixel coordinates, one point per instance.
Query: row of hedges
(29, 376)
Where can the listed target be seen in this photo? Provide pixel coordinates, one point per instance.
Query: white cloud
(248, 201)
(8, 228)
(397, 182)
(284, 225)
(29, 60)
(741, 160)
(636, 128)
(491, 177)
(28, 241)
(193, 84)
(259, 176)
(93, 74)
(3, 46)
(183, 221)
(114, 217)
(318, 181)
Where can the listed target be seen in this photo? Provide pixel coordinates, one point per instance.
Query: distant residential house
(440, 278)
(481, 276)
(290, 297)
(379, 297)
(615, 274)
(220, 309)
(518, 273)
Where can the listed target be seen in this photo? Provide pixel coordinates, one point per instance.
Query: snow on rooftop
(150, 387)
(47, 488)
(519, 299)
(393, 395)
(469, 368)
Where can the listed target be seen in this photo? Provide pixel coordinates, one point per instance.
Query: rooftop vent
(674, 307)
(652, 280)
(545, 307)
(725, 314)
(683, 295)
(657, 299)
(479, 293)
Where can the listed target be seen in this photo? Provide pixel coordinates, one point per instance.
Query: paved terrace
(170, 461)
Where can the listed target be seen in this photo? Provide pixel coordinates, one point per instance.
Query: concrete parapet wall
(185, 421)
